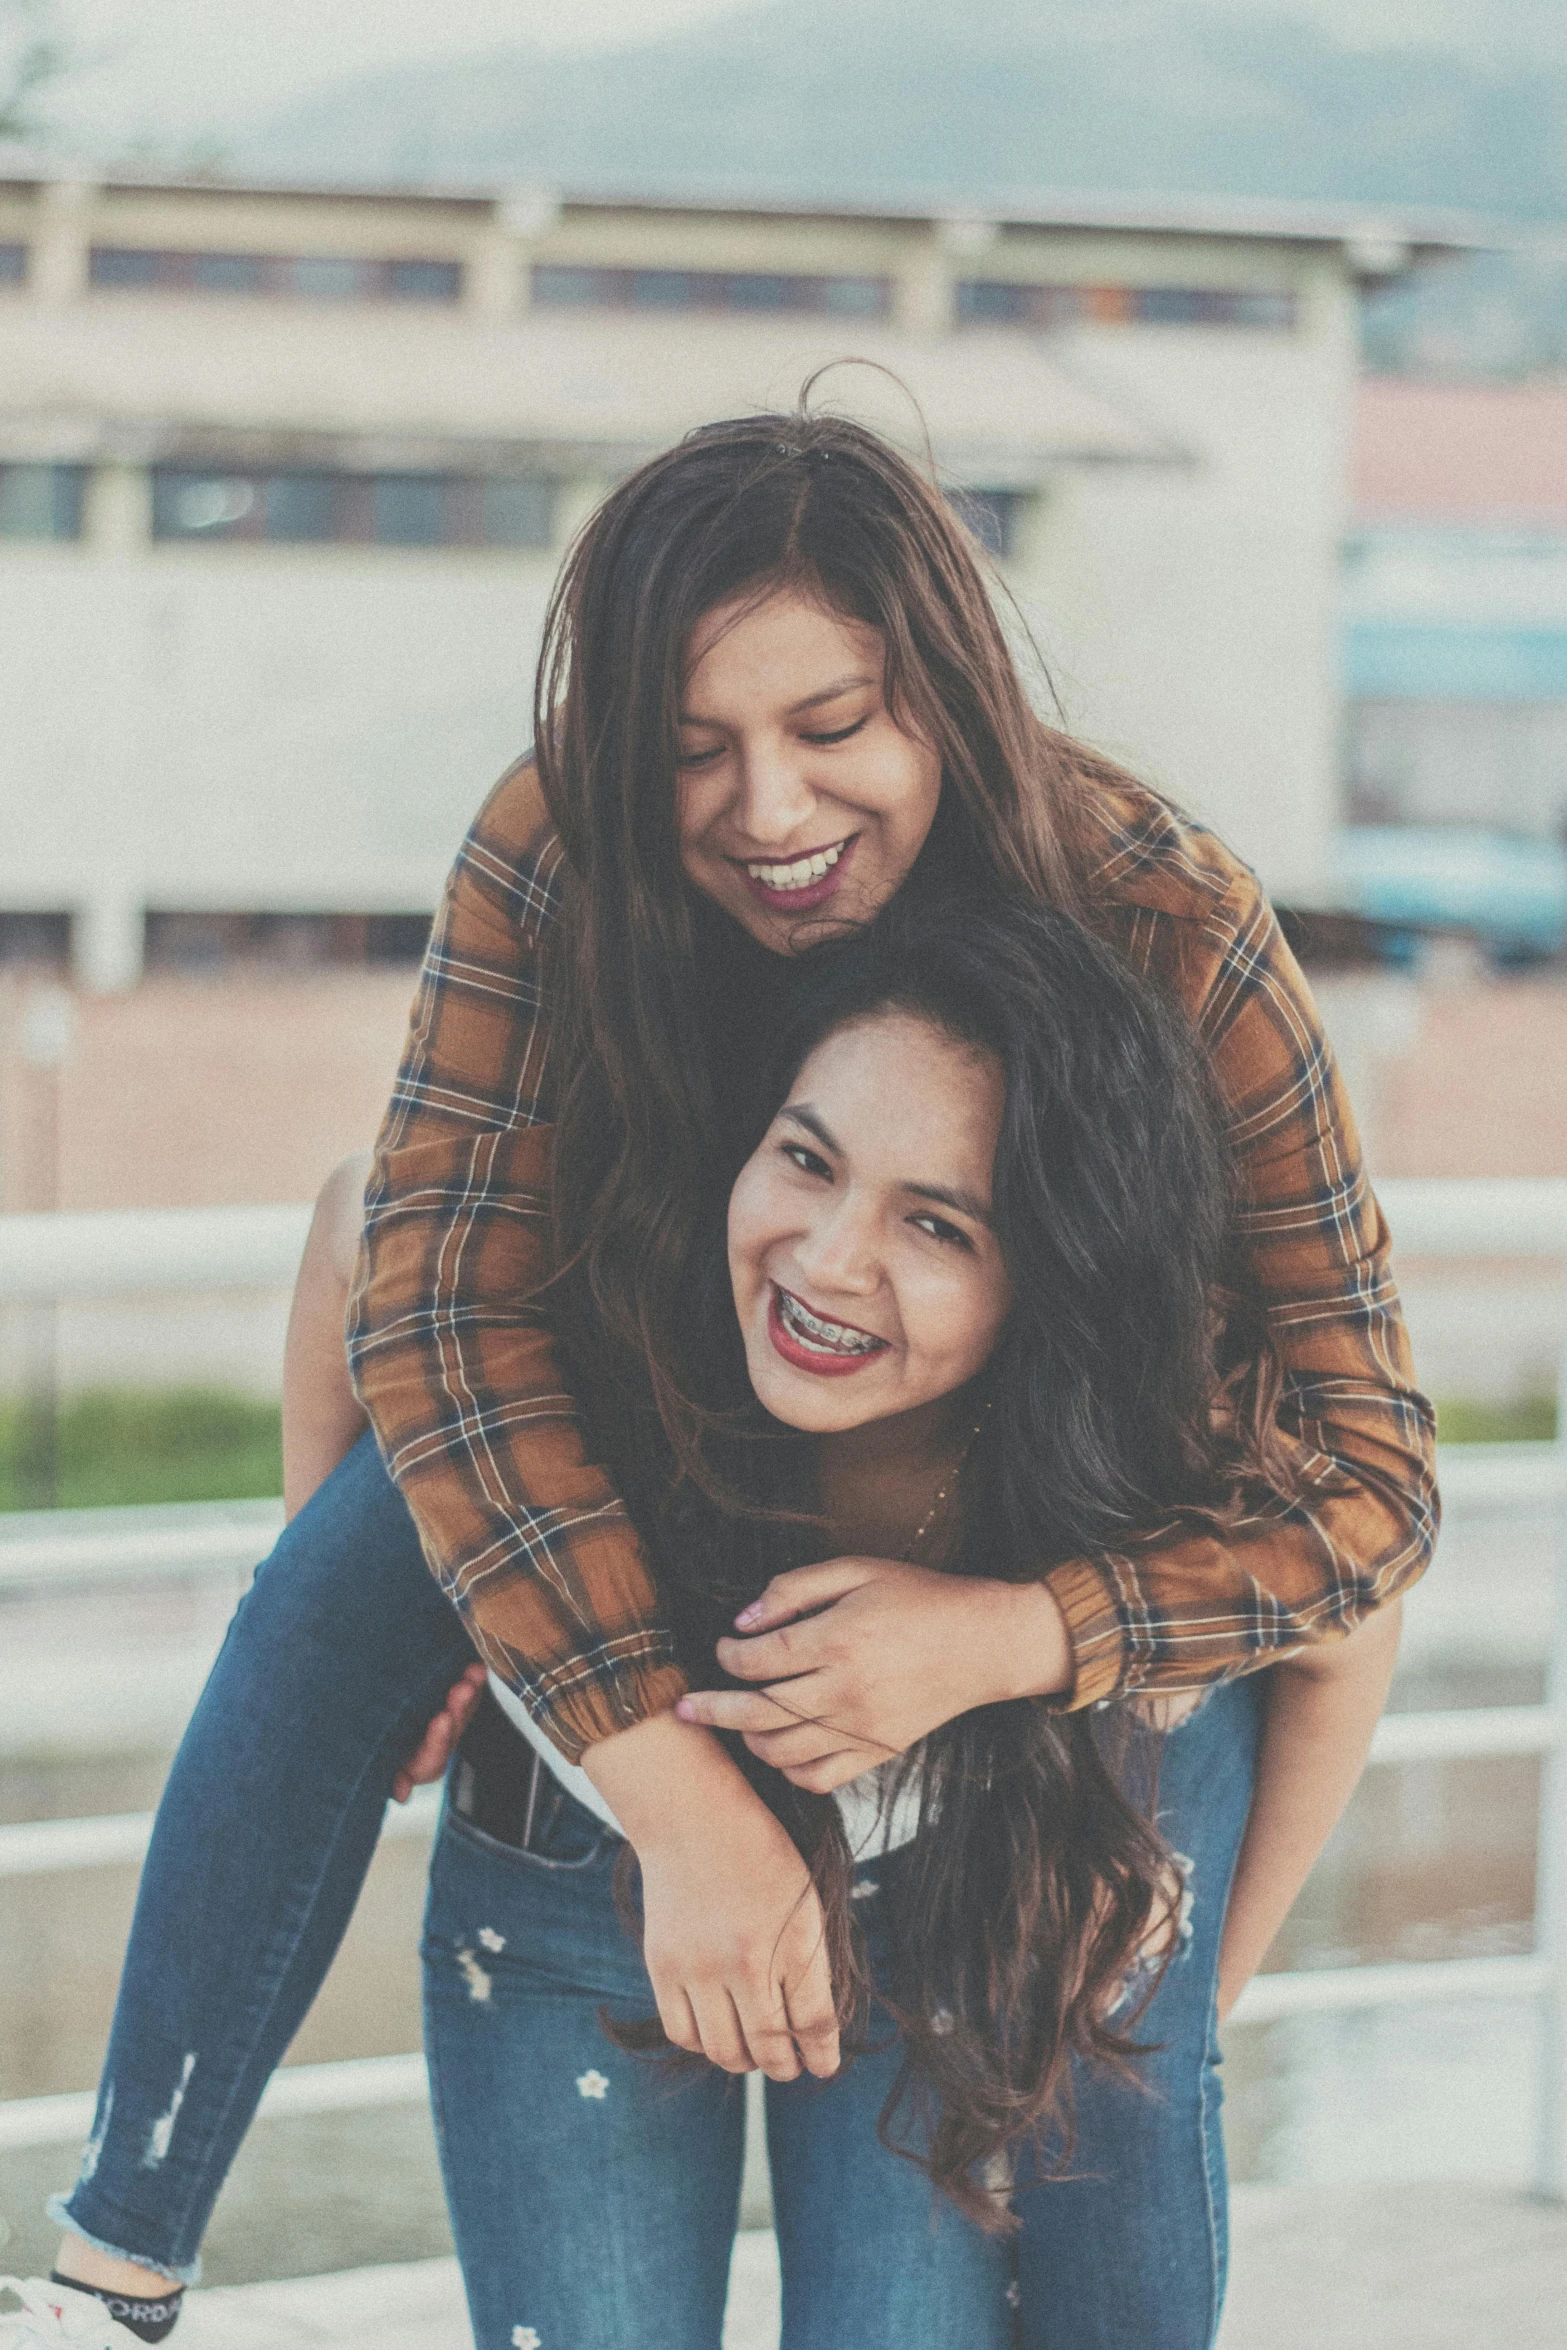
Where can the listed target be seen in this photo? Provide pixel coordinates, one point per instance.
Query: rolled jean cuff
(58, 2208)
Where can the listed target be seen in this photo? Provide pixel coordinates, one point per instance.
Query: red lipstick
(810, 1358)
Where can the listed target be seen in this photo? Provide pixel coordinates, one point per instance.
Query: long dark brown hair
(1018, 1914)
(1025, 1910)
(641, 966)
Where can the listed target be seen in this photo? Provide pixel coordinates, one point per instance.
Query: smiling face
(867, 1277)
(800, 803)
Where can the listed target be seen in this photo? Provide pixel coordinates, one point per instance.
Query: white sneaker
(53, 2315)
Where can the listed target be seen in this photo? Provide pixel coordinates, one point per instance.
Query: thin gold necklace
(949, 1484)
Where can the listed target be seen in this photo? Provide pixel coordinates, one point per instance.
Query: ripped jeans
(335, 1660)
(594, 2196)
(337, 1656)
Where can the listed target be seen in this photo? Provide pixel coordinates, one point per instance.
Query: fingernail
(751, 1614)
(686, 1710)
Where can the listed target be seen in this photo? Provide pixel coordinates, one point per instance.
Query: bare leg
(322, 1419)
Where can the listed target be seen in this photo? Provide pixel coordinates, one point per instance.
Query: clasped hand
(859, 1658)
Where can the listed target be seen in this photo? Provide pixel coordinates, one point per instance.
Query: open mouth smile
(812, 1343)
(796, 883)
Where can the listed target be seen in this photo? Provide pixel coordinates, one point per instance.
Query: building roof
(1385, 237)
(131, 379)
(1460, 452)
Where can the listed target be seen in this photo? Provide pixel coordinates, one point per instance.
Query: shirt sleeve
(1359, 1437)
(456, 1369)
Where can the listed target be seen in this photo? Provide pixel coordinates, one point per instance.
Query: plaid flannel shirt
(526, 1533)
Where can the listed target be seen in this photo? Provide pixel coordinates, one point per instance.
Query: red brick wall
(192, 1092)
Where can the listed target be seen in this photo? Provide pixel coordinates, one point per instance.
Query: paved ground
(1456, 2266)
(420, 2307)
(1444, 2267)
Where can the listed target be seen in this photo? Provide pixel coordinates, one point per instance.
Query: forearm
(455, 1366)
(1317, 1732)
(733, 1933)
(661, 1778)
(1352, 1444)
(1184, 1612)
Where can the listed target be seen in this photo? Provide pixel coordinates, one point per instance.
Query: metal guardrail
(348, 2086)
(126, 1252)
(119, 1840)
(90, 1548)
(42, 1848)
(43, 1258)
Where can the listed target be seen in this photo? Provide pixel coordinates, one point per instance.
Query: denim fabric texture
(336, 1658)
(594, 2194)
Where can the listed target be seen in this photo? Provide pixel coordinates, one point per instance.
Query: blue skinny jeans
(335, 1660)
(594, 2194)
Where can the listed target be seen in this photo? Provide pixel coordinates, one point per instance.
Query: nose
(775, 801)
(837, 1253)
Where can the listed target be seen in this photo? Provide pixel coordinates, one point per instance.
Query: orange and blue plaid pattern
(527, 1534)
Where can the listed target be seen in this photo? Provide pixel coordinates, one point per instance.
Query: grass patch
(1531, 1419)
(114, 1446)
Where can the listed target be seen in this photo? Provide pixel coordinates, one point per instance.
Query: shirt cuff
(578, 1703)
(1086, 1597)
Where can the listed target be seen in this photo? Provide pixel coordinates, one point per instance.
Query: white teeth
(803, 870)
(826, 1337)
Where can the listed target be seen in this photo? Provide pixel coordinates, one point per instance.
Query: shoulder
(512, 853)
(1142, 850)
(1173, 896)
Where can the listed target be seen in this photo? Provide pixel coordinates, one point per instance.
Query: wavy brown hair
(1037, 1872)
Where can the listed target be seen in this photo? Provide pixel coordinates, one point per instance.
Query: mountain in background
(857, 96)
(876, 98)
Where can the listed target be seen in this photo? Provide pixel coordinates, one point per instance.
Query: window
(992, 515)
(318, 277)
(409, 510)
(514, 513)
(989, 302)
(41, 501)
(37, 940)
(13, 265)
(558, 287)
(367, 509)
(280, 942)
(422, 281)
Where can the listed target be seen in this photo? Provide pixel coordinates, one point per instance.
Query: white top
(871, 1832)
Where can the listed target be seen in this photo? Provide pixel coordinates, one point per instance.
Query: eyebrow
(828, 693)
(946, 1196)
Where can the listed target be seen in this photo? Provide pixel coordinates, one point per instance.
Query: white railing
(54, 1257)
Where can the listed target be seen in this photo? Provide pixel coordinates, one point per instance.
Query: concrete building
(1456, 608)
(285, 475)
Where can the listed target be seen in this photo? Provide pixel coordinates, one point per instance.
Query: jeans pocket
(555, 1831)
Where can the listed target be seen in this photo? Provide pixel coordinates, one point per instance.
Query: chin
(799, 1402)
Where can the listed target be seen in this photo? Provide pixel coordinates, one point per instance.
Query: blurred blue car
(1507, 891)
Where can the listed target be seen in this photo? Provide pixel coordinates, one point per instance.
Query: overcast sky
(173, 70)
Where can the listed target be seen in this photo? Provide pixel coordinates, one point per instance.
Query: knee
(340, 1214)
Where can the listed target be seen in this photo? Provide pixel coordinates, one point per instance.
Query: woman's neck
(879, 1483)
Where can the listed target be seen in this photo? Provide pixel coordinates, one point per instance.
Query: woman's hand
(860, 1658)
(439, 1743)
(733, 1934)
